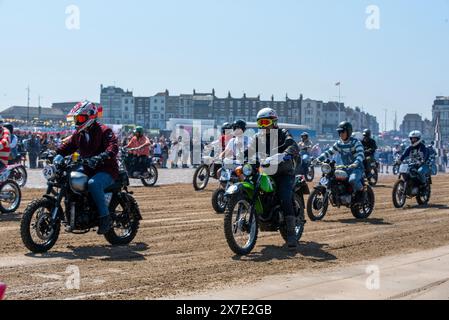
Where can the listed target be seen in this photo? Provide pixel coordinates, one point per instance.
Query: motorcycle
(396, 165)
(334, 188)
(372, 170)
(208, 169)
(67, 202)
(10, 193)
(409, 186)
(228, 177)
(18, 173)
(310, 174)
(128, 162)
(253, 205)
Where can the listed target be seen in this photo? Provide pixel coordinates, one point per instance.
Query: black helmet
(239, 124)
(226, 126)
(345, 126)
(304, 134)
(10, 127)
(367, 133)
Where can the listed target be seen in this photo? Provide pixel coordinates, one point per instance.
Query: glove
(94, 162)
(354, 166)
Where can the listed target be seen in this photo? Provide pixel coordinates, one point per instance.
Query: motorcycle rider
(237, 146)
(264, 143)
(13, 145)
(370, 146)
(305, 147)
(97, 143)
(352, 155)
(5, 149)
(140, 153)
(418, 151)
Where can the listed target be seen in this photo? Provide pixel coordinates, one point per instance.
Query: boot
(105, 225)
(290, 222)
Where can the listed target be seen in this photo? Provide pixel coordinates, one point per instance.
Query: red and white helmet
(84, 114)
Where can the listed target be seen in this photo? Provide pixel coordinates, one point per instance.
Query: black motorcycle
(334, 188)
(68, 202)
(228, 177)
(409, 185)
(129, 163)
(371, 169)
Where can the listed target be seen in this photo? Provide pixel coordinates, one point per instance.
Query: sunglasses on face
(264, 123)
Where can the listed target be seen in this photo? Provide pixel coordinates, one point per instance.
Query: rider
(352, 155)
(99, 145)
(237, 146)
(305, 147)
(14, 143)
(5, 149)
(370, 146)
(140, 146)
(418, 151)
(267, 121)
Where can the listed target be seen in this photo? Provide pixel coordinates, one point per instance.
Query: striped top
(5, 149)
(352, 152)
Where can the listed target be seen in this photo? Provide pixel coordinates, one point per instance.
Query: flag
(338, 84)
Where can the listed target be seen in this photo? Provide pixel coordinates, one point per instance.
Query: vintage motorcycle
(68, 202)
(253, 205)
(334, 188)
(372, 170)
(10, 193)
(228, 176)
(409, 186)
(396, 165)
(128, 162)
(307, 160)
(208, 169)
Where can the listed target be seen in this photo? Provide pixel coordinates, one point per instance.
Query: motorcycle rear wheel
(126, 220)
(300, 221)
(365, 210)
(317, 202)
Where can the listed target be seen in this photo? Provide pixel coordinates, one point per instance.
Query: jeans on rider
(355, 178)
(97, 184)
(285, 185)
(423, 173)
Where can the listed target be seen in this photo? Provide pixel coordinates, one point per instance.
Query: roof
(19, 110)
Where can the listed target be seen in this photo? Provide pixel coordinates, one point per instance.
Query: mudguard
(247, 189)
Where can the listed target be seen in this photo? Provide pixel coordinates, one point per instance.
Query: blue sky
(253, 46)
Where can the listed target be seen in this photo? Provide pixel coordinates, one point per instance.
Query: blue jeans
(355, 178)
(423, 172)
(96, 187)
(285, 185)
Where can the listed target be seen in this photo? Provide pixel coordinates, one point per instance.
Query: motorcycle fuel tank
(267, 184)
(78, 182)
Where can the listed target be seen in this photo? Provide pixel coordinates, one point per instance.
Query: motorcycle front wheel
(10, 196)
(38, 232)
(240, 226)
(399, 194)
(317, 205)
(201, 177)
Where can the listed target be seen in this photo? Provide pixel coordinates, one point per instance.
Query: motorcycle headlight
(326, 168)
(248, 170)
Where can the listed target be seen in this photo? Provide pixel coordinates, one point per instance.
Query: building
(157, 111)
(411, 122)
(312, 115)
(172, 108)
(440, 110)
(118, 106)
(142, 111)
(33, 114)
(331, 118)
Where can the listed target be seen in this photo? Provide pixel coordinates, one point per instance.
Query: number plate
(403, 168)
(49, 172)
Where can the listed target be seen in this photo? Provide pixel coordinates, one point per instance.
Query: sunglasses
(264, 123)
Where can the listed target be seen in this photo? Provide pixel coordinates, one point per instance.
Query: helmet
(267, 114)
(415, 135)
(84, 114)
(304, 135)
(345, 127)
(239, 124)
(226, 126)
(367, 133)
(139, 130)
(10, 127)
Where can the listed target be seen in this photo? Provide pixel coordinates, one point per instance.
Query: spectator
(33, 148)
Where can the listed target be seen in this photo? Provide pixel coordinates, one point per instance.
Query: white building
(157, 111)
(118, 106)
(312, 115)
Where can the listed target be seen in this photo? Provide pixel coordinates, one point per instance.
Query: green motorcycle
(253, 205)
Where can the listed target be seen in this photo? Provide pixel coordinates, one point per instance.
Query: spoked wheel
(201, 177)
(38, 232)
(300, 221)
(317, 205)
(219, 200)
(310, 174)
(10, 196)
(373, 178)
(126, 220)
(399, 194)
(363, 211)
(153, 175)
(240, 226)
(20, 176)
(424, 197)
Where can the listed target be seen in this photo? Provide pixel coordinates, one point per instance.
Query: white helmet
(267, 113)
(415, 135)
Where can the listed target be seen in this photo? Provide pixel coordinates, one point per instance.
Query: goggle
(80, 119)
(264, 123)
